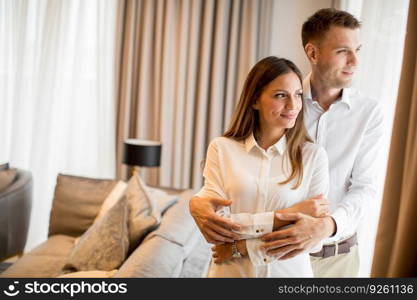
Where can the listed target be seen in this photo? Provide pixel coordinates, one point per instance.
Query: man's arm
(363, 188)
(349, 212)
(306, 231)
(315, 207)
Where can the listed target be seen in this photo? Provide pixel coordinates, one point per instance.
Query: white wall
(286, 34)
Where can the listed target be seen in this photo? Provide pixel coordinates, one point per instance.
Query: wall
(286, 34)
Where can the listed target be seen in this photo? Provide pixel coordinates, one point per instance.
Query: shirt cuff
(257, 256)
(254, 225)
(340, 218)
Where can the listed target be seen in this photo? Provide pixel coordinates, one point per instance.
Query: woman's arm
(315, 207)
(213, 227)
(222, 253)
(259, 224)
(307, 233)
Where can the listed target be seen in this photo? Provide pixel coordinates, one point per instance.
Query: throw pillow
(116, 193)
(7, 177)
(163, 200)
(104, 245)
(77, 201)
(143, 213)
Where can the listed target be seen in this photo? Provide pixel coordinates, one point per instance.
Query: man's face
(337, 56)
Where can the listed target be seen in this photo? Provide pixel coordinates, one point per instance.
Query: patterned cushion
(104, 245)
(144, 215)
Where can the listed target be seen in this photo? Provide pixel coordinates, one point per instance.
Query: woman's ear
(312, 53)
(255, 106)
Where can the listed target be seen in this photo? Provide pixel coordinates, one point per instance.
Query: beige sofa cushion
(177, 225)
(155, 257)
(163, 251)
(112, 198)
(46, 260)
(77, 201)
(104, 245)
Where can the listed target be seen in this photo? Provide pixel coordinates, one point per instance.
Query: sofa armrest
(15, 209)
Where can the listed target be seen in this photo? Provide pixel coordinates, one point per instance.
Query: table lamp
(141, 153)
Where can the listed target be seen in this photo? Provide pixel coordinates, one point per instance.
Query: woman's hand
(223, 252)
(215, 229)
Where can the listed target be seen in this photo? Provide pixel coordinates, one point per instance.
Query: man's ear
(312, 53)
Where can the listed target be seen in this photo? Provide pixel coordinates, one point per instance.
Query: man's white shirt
(351, 132)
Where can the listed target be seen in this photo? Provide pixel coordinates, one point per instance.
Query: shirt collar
(307, 92)
(280, 146)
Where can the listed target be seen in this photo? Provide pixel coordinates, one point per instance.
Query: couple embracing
(288, 182)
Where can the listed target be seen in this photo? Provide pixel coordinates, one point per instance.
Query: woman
(266, 163)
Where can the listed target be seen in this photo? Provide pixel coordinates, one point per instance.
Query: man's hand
(215, 229)
(305, 233)
(316, 207)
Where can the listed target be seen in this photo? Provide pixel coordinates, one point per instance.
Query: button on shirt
(351, 132)
(249, 176)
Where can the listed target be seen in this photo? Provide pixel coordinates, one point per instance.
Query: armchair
(15, 209)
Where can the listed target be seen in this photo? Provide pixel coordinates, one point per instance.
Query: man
(350, 127)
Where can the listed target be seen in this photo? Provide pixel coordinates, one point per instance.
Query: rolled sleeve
(254, 225)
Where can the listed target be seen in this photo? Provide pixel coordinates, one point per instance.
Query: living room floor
(7, 263)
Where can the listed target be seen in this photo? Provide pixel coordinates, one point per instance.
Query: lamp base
(135, 171)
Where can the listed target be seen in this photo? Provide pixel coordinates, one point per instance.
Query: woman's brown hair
(245, 120)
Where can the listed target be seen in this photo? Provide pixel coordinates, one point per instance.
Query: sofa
(15, 208)
(175, 248)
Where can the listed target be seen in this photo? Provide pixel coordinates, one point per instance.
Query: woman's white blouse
(249, 176)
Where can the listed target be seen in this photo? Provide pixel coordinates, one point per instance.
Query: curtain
(395, 250)
(57, 94)
(183, 64)
(382, 37)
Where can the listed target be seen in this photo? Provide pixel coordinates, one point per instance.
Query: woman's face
(280, 102)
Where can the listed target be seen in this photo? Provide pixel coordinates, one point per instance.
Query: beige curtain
(182, 66)
(396, 244)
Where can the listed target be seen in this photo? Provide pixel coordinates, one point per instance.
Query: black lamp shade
(142, 153)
